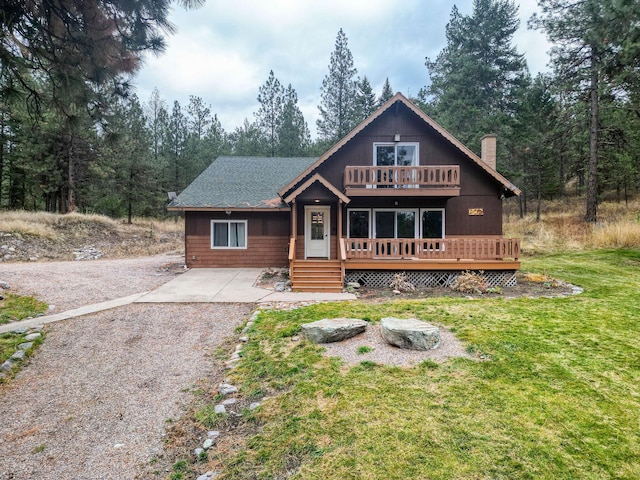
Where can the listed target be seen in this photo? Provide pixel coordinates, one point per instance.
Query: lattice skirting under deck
(382, 279)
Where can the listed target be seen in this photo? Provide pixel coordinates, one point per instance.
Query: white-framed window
(395, 223)
(228, 234)
(432, 223)
(358, 223)
(395, 154)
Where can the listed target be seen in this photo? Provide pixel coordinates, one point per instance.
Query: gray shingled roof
(242, 182)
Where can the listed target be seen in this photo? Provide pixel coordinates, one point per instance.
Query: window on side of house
(432, 222)
(228, 234)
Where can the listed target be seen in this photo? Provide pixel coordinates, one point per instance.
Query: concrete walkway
(228, 285)
(76, 312)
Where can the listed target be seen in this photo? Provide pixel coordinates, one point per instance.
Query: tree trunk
(592, 179)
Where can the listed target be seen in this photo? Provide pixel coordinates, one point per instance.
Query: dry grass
(561, 227)
(54, 236)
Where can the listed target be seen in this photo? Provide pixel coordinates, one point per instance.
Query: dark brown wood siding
(477, 188)
(267, 240)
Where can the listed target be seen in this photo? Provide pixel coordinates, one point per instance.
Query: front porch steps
(316, 276)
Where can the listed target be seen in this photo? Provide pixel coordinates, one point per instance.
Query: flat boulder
(409, 333)
(330, 330)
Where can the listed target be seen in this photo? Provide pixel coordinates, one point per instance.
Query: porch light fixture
(228, 212)
(317, 200)
(396, 137)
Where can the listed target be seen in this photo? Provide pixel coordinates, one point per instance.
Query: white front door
(316, 231)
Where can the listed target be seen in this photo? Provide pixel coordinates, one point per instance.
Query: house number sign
(474, 212)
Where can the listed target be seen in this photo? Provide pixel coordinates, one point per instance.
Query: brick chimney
(488, 150)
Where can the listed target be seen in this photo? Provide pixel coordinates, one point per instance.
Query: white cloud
(223, 51)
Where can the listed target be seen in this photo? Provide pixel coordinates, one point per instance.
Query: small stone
(32, 336)
(6, 366)
(18, 355)
(295, 338)
(244, 339)
(353, 285)
(254, 405)
(20, 330)
(239, 348)
(207, 444)
(198, 451)
(397, 292)
(4, 285)
(219, 409)
(213, 433)
(25, 345)
(229, 401)
(52, 308)
(118, 445)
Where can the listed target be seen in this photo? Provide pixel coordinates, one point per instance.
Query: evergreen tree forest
(74, 135)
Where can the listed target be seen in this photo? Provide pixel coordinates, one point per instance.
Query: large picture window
(228, 234)
(396, 223)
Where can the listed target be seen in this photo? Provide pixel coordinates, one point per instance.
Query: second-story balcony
(420, 180)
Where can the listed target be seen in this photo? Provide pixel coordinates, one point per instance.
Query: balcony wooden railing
(421, 176)
(432, 249)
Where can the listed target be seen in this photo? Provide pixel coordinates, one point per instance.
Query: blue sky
(223, 51)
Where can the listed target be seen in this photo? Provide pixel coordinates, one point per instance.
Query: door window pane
(406, 224)
(317, 225)
(358, 224)
(406, 155)
(385, 155)
(432, 224)
(385, 224)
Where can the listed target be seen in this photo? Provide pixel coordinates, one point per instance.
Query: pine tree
(387, 93)
(338, 111)
(475, 79)
(366, 100)
(293, 133)
(592, 47)
(269, 115)
(76, 45)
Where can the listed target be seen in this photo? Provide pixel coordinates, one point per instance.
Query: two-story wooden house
(398, 194)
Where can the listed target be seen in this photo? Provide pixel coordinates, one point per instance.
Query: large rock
(330, 330)
(409, 333)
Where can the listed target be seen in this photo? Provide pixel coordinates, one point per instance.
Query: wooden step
(316, 276)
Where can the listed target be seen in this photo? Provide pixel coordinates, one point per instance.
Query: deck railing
(432, 249)
(442, 176)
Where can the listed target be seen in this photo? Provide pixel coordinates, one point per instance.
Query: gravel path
(67, 285)
(94, 400)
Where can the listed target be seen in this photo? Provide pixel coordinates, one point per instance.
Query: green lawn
(558, 398)
(12, 308)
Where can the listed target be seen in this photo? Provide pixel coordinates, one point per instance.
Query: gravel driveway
(94, 401)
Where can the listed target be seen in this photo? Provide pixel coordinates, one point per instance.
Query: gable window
(228, 234)
(395, 154)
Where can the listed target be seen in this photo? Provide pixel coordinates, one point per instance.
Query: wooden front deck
(403, 254)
